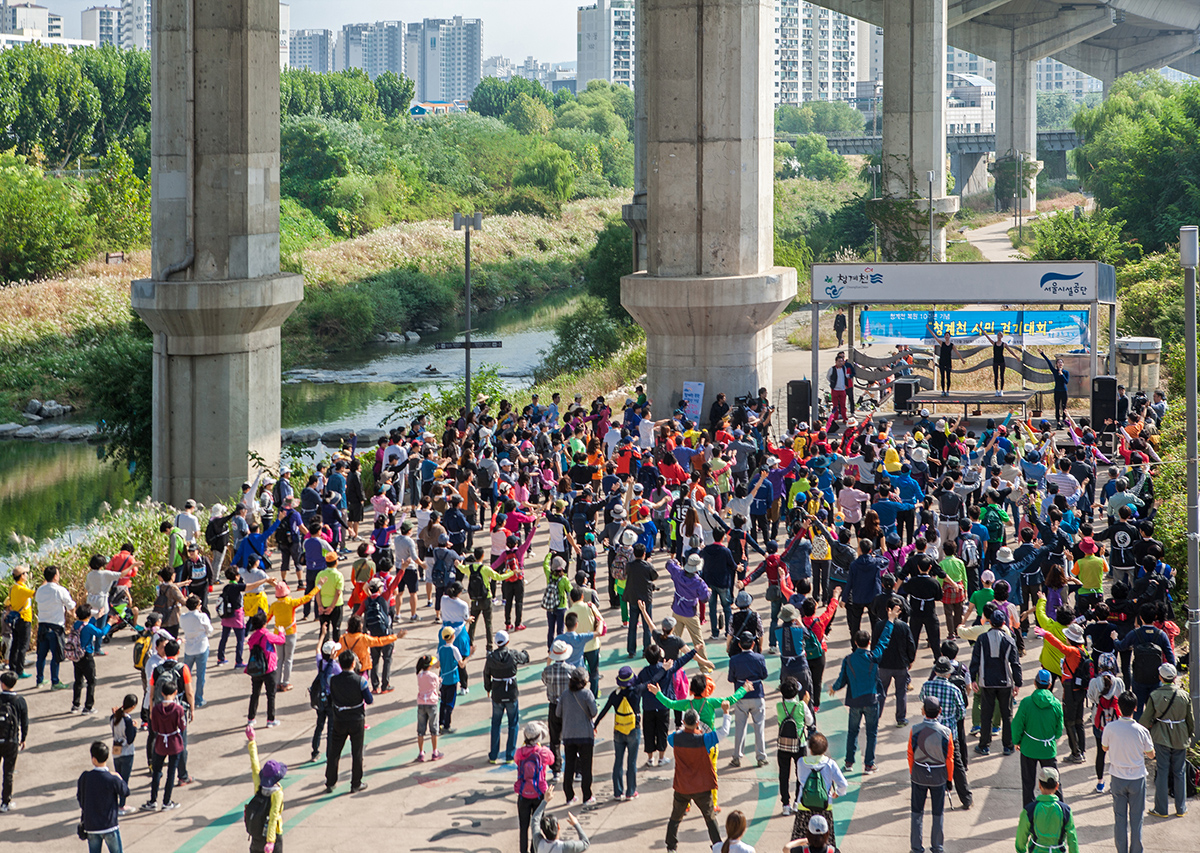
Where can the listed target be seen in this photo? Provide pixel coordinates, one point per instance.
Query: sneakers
(787, 811)
(848, 767)
(437, 753)
(519, 628)
(1154, 813)
(762, 762)
(869, 768)
(998, 392)
(494, 761)
(250, 721)
(975, 730)
(574, 801)
(88, 711)
(316, 753)
(150, 807)
(414, 618)
(772, 651)
(121, 812)
(995, 730)
(272, 723)
(901, 723)
(1009, 750)
(735, 762)
(664, 761)
(983, 750)
(4, 808)
(590, 801)
(508, 628)
(390, 689)
(362, 786)
(60, 685)
(170, 806)
(632, 796)
(1079, 758)
(74, 709)
(1099, 787)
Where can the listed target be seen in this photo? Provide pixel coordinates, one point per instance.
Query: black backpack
(318, 691)
(214, 531)
(167, 672)
(256, 661)
(229, 602)
(788, 739)
(476, 588)
(255, 814)
(376, 619)
(10, 722)
(1147, 658)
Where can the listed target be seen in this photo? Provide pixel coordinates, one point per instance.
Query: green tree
(835, 117)
(43, 228)
(529, 116)
(299, 92)
(395, 93)
(492, 96)
(58, 107)
(120, 203)
(815, 160)
(587, 335)
(1055, 110)
(610, 259)
(552, 170)
(119, 379)
(349, 95)
(1093, 237)
(793, 119)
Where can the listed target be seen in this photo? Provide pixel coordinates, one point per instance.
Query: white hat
(694, 564)
(329, 648)
(501, 638)
(920, 454)
(628, 537)
(218, 510)
(560, 650)
(1073, 633)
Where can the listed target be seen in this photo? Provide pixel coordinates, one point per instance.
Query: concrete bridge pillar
(710, 290)
(216, 298)
(970, 173)
(914, 122)
(1016, 124)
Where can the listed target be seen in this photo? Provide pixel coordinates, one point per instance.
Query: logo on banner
(839, 284)
(1058, 283)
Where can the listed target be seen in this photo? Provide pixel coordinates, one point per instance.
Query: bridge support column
(710, 290)
(216, 298)
(970, 173)
(1016, 128)
(914, 129)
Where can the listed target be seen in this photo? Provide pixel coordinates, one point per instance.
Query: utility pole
(1189, 257)
(874, 171)
(1020, 192)
(932, 177)
(468, 224)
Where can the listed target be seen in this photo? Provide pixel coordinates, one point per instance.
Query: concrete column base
(970, 173)
(715, 330)
(216, 379)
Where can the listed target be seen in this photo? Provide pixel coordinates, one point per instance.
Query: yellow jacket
(18, 599)
(361, 645)
(283, 611)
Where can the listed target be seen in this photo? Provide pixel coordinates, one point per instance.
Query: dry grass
(801, 336)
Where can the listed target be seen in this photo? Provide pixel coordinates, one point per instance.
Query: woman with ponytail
(735, 828)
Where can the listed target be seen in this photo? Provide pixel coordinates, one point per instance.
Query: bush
(118, 377)
(299, 229)
(1092, 237)
(529, 200)
(1153, 309)
(44, 228)
(120, 203)
(582, 339)
(552, 171)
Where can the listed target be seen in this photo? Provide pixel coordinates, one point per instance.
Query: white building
(29, 17)
(101, 25)
(448, 61)
(816, 54)
(1053, 76)
(348, 51)
(26, 36)
(604, 49)
(285, 40)
(135, 24)
(970, 104)
(383, 48)
(312, 49)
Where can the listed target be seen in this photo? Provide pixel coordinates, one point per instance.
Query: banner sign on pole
(693, 398)
(1027, 328)
(1009, 283)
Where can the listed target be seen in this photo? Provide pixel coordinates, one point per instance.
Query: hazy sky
(512, 28)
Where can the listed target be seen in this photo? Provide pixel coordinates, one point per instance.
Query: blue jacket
(337, 485)
(860, 671)
(863, 578)
(253, 549)
(910, 489)
(748, 666)
(888, 510)
(719, 567)
(763, 498)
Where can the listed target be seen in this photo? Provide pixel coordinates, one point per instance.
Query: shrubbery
(44, 226)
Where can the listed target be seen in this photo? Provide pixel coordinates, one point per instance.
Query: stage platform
(931, 399)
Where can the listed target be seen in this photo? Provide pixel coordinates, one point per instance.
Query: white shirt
(189, 524)
(97, 584)
(1127, 743)
(52, 601)
(734, 847)
(194, 627)
(454, 610)
(646, 434)
(610, 442)
(394, 453)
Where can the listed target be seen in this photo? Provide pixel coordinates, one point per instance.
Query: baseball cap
(818, 825)
(1167, 672)
(942, 666)
(502, 638)
(1043, 678)
(329, 648)
(987, 577)
(1048, 775)
(447, 633)
(998, 619)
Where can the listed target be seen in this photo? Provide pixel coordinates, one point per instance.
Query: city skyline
(505, 34)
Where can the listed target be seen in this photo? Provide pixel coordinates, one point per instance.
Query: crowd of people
(1025, 534)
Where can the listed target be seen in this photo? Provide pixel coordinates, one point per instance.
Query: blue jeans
(1140, 689)
(625, 749)
(499, 709)
(112, 840)
(776, 606)
(870, 713)
(554, 624)
(1170, 763)
(592, 661)
(635, 616)
(725, 596)
(49, 642)
(123, 764)
(198, 664)
(1129, 806)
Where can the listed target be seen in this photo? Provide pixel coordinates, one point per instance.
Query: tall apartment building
(135, 24)
(828, 54)
(312, 50)
(962, 62)
(348, 51)
(383, 48)
(16, 17)
(604, 47)
(101, 25)
(285, 36)
(787, 52)
(1053, 76)
(448, 64)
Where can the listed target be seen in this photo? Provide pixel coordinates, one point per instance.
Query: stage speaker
(799, 400)
(1104, 400)
(905, 390)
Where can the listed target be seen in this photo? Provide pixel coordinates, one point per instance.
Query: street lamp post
(932, 177)
(874, 171)
(1189, 257)
(1019, 192)
(468, 224)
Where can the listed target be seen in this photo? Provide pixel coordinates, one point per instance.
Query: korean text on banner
(693, 398)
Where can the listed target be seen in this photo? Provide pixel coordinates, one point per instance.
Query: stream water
(56, 487)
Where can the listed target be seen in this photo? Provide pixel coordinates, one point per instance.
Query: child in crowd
(427, 700)
(795, 719)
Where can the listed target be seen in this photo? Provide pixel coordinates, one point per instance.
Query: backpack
(814, 796)
(214, 531)
(531, 776)
(995, 525)
(476, 588)
(550, 596)
(1083, 674)
(624, 720)
(141, 650)
(1147, 658)
(256, 661)
(10, 723)
(73, 646)
(165, 673)
(1066, 821)
(440, 574)
(788, 739)
(318, 691)
(255, 814)
(376, 618)
(1106, 711)
(163, 603)
(969, 551)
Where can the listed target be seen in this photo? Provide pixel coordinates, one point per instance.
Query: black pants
(1029, 769)
(906, 525)
(854, 613)
(156, 766)
(310, 581)
(481, 609)
(257, 683)
(760, 524)
(1060, 403)
(321, 729)
(8, 755)
(816, 668)
(961, 785)
(449, 693)
(704, 803)
(334, 620)
(339, 733)
(989, 697)
(555, 737)
(85, 671)
(514, 596)
(655, 722)
(927, 619)
(20, 643)
(820, 582)
(526, 806)
(787, 760)
(998, 375)
(1072, 706)
(944, 377)
(577, 756)
(381, 666)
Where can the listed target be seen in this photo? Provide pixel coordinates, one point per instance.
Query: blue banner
(1019, 328)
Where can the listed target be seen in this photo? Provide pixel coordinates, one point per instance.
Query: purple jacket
(688, 590)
